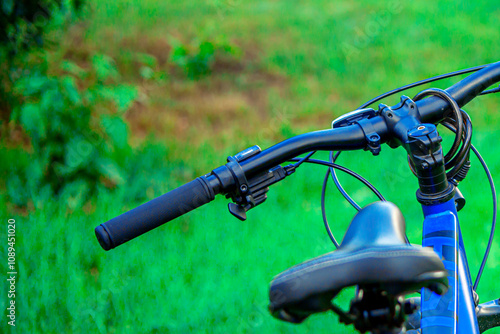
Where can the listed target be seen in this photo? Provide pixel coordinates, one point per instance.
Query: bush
(197, 61)
(22, 21)
(22, 25)
(73, 150)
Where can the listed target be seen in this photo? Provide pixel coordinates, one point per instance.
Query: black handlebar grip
(154, 213)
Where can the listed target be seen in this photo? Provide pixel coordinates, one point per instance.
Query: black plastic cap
(103, 237)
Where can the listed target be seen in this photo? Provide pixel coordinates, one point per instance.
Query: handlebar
(230, 178)
(154, 213)
(432, 109)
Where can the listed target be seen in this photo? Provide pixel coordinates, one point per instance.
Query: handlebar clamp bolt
(373, 143)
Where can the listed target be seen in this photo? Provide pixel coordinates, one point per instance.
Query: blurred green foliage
(72, 152)
(197, 61)
(23, 24)
(22, 21)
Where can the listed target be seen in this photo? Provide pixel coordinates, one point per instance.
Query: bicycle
(375, 255)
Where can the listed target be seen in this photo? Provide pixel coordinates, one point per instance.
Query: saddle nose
(376, 225)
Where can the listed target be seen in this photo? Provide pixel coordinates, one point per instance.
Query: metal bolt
(243, 188)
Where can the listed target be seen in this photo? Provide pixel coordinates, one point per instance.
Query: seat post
(379, 312)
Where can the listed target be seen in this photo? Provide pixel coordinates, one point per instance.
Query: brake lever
(248, 193)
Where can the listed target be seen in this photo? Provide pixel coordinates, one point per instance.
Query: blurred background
(107, 104)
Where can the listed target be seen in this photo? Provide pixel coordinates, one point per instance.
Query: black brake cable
(333, 159)
(425, 81)
(491, 91)
(301, 161)
(341, 168)
(457, 158)
(344, 193)
(493, 224)
(453, 127)
(323, 192)
(323, 209)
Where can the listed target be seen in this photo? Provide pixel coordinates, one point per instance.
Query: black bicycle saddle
(374, 252)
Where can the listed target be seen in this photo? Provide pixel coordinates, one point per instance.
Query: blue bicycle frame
(441, 314)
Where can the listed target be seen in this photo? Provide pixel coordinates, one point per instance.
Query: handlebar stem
(426, 154)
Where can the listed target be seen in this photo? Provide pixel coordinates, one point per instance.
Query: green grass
(207, 272)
